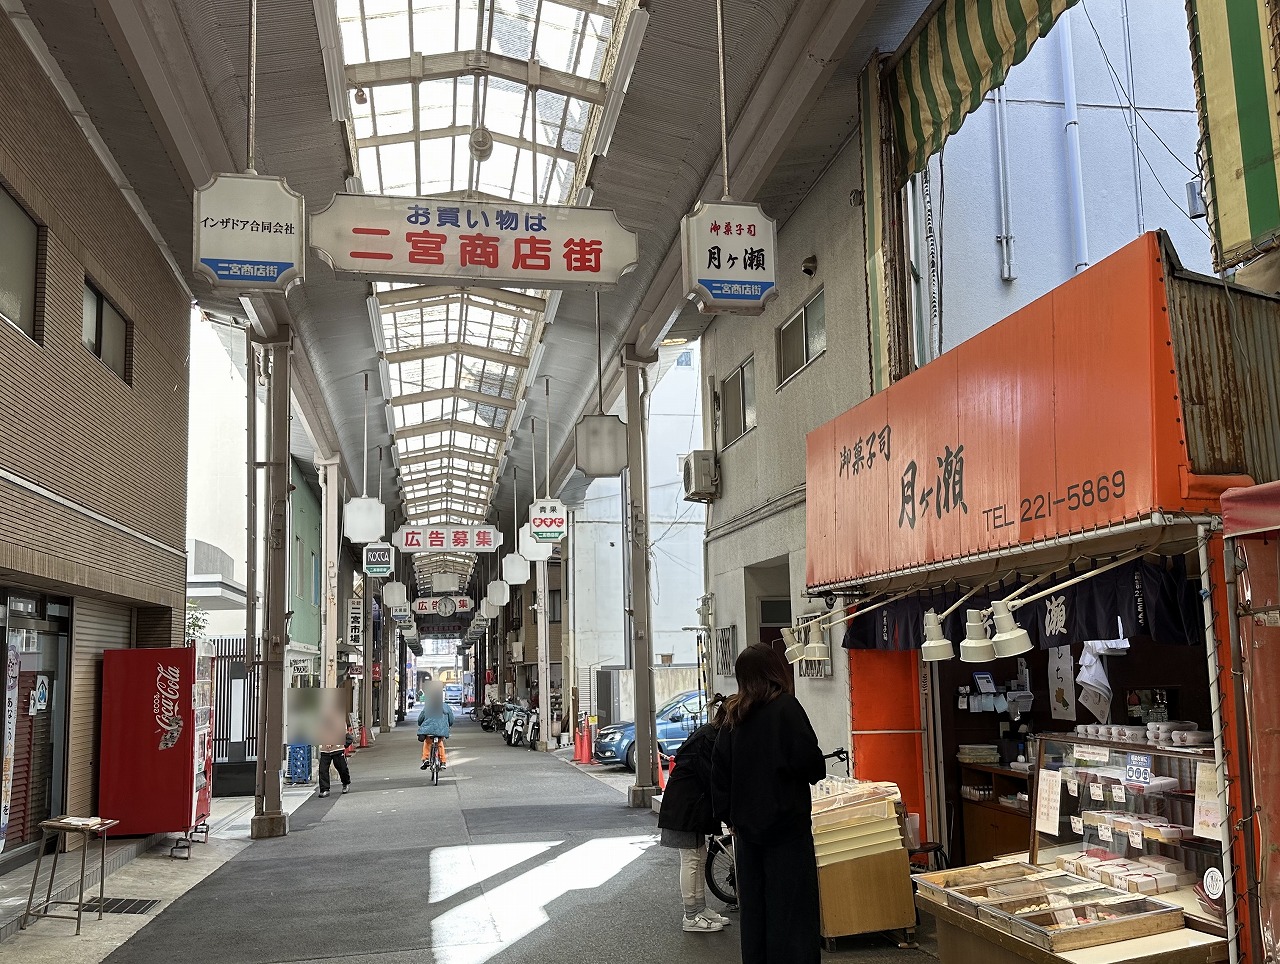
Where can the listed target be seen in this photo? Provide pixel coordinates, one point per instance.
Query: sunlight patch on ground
(454, 869)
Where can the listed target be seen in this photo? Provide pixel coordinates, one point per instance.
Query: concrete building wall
(93, 498)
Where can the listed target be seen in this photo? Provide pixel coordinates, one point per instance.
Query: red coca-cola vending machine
(156, 754)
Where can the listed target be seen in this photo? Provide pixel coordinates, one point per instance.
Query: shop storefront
(1059, 475)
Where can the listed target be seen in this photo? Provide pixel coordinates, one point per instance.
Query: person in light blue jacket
(434, 719)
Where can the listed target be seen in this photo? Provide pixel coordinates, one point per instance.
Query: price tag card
(1117, 793)
(1138, 769)
(1073, 787)
(1095, 791)
(1077, 825)
(1135, 838)
(1104, 833)
(1048, 801)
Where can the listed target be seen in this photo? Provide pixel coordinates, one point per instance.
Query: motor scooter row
(520, 725)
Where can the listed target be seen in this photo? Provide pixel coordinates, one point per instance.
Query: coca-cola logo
(165, 705)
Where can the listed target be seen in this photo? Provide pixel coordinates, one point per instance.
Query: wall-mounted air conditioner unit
(700, 477)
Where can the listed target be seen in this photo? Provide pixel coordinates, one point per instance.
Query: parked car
(453, 694)
(676, 719)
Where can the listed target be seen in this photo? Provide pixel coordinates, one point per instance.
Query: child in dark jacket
(686, 819)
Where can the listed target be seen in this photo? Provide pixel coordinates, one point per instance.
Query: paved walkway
(516, 856)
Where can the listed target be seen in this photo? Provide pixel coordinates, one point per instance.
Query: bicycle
(721, 866)
(434, 764)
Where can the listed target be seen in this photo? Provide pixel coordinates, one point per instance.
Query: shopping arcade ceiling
(173, 72)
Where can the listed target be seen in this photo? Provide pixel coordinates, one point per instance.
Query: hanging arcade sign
(548, 520)
(493, 243)
(248, 233)
(411, 539)
(730, 257)
(443, 605)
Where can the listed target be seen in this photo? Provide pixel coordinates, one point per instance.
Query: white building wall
(675, 531)
(759, 517)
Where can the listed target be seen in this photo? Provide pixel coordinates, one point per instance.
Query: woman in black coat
(765, 758)
(686, 819)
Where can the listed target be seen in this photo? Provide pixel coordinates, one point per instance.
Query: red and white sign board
(548, 520)
(495, 243)
(411, 539)
(430, 605)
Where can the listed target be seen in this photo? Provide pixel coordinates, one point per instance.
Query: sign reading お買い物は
(488, 242)
(248, 233)
(730, 257)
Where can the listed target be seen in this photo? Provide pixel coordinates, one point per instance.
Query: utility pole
(641, 616)
(332, 627)
(237, 752)
(269, 819)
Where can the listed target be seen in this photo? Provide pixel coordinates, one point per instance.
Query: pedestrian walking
(434, 719)
(765, 758)
(686, 818)
(335, 754)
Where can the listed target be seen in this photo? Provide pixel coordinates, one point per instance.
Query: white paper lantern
(515, 569)
(498, 593)
(531, 548)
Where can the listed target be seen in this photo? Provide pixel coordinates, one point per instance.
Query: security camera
(810, 265)
(830, 600)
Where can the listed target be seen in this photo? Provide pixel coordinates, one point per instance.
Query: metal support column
(639, 606)
(389, 646)
(332, 627)
(270, 819)
(366, 680)
(569, 644)
(543, 578)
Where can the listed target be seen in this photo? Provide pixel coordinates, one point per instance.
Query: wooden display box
(866, 895)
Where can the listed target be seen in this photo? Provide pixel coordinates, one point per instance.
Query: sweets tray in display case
(1050, 909)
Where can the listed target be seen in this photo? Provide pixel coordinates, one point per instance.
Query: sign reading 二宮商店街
(487, 242)
(1060, 419)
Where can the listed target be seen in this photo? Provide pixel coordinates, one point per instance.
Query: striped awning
(962, 50)
(1234, 61)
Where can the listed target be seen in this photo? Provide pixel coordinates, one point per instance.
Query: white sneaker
(715, 918)
(701, 925)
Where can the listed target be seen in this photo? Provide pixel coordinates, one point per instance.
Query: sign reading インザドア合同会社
(248, 233)
(490, 242)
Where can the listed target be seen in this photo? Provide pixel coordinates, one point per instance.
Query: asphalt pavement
(515, 856)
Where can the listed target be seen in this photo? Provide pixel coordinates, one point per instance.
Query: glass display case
(1126, 818)
(1051, 909)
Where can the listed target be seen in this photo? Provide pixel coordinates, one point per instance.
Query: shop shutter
(96, 626)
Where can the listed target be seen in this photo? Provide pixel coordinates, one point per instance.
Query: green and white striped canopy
(963, 50)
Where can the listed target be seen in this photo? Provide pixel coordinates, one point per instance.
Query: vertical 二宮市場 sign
(248, 233)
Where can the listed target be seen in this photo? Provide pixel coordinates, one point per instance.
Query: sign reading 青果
(248, 233)
(730, 257)
(494, 243)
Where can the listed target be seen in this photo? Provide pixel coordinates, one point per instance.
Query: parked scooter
(516, 717)
(531, 729)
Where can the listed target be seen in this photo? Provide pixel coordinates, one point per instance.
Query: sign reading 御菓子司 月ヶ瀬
(487, 242)
(730, 257)
(248, 233)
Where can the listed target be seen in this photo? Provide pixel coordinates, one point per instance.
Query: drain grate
(121, 905)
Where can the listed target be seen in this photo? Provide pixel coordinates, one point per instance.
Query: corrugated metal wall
(1227, 352)
(96, 626)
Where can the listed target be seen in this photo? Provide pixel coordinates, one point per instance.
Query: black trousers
(778, 898)
(338, 759)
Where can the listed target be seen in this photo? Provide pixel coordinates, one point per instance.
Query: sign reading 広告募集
(248, 233)
(492, 242)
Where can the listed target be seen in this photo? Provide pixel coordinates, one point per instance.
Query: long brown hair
(763, 676)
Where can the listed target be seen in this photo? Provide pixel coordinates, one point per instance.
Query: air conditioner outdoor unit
(700, 476)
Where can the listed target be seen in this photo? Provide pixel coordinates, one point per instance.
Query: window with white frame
(802, 337)
(738, 402)
(105, 332)
(18, 256)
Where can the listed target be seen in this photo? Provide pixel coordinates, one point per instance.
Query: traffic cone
(662, 774)
(577, 745)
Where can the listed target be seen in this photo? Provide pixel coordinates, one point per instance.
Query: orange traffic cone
(662, 773)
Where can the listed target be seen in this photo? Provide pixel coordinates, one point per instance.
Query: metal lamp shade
(600, 442)
(1010, 638)
(976, 648)
(795, 649)
(936, 646)
(818, 650)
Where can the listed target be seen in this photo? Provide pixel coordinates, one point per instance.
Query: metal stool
(57, 830)
(929, 850)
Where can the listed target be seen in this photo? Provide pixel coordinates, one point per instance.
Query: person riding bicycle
(686, 820)
(434, 719)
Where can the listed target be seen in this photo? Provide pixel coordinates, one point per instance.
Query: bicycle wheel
(435, 764)
(721, 873)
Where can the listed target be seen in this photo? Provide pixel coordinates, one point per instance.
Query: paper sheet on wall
(1048, 802)
(1208, 809)
(1062, 691)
